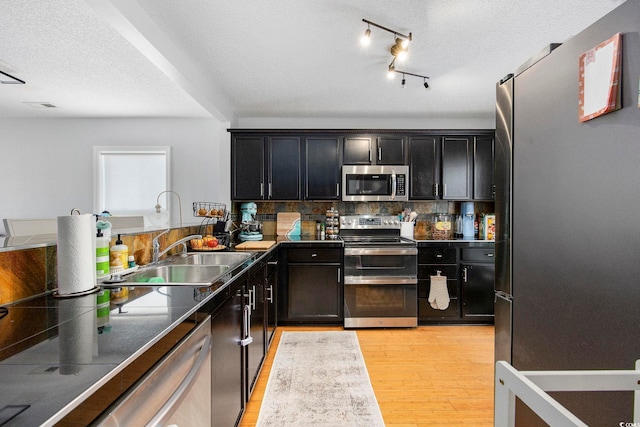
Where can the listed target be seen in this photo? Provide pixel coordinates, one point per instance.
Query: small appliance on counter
(250, 228)
(468, 220)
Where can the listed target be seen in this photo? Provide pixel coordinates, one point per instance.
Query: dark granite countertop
(56, 352)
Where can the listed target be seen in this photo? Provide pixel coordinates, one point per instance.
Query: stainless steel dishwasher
(177, 391)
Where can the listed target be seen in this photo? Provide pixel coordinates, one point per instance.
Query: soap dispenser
(119, 256)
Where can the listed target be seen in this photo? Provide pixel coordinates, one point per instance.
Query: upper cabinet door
(322, 165)
(424, 167)
(457, 168)
(284, 169)
(247, 168)
(357, 151)
(390, 150)
(483, 180)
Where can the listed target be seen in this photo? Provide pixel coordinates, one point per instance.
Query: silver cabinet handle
(490, 254)
(314, 255)
(246, 332)
(252, 298)
(338, 274)
(379, 154)
(437, 188)
(262, 189)
(270, 297)
(464, 274)
(338, 189)
(444, 189)
(269, 190)
(166, 411)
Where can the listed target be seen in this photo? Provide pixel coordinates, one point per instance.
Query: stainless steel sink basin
(191, 275)
(214, 258)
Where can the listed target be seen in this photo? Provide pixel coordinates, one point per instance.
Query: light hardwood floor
(428, 376)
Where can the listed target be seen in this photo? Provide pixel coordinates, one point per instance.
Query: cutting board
(258, 245)
(288, 224)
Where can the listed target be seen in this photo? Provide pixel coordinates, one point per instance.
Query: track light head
(366, 39)
(403, 82)
(426, 85)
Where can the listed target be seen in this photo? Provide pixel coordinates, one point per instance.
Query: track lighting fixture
(393, 70)
(398, 51)
(7, 79)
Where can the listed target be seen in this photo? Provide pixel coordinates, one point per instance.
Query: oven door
(380, 287)
(371, 304)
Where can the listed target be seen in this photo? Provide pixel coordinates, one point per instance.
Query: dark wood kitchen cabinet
(322, 168)
(469, 268)
(247, 168)
(451, 167)
(357, 150)
(431, 261)
(477, 273)
(483, 156)
(312, 287)
(424, 167)
(390, 150)
(266, 168)
(226, 355)
(457, 168)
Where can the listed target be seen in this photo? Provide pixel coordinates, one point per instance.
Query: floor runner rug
(319, 379)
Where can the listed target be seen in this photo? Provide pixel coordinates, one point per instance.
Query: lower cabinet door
(314, 293)
(477, 290)
(226, 368)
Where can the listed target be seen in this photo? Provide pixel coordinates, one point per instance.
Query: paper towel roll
(76, 254)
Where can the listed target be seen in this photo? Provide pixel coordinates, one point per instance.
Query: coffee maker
(468, 220)
(250, 228)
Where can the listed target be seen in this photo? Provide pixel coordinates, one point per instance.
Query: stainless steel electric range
(380, 273)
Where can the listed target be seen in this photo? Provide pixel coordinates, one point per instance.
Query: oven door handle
(386, 280)
(380, 251)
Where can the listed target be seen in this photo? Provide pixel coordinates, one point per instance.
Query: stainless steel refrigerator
(568, 221)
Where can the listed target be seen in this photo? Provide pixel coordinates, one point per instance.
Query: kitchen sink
(230, 259)
(190, 275)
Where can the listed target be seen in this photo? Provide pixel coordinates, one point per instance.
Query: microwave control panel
(401, 187)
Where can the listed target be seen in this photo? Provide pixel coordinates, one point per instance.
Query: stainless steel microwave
(375, 183)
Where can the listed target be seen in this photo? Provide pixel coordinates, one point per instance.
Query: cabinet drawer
(437, 256)
(425, 271)
(477, 254)
(314, 255)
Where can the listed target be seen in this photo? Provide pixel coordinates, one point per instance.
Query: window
(127, 180)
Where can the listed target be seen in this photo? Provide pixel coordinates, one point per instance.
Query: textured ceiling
(270, 59)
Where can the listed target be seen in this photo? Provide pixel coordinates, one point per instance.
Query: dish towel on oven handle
(439, 294)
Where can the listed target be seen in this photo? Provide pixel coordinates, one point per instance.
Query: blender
(250, 228)
(468, 219)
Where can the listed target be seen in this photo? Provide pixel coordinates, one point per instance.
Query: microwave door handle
(393, 185)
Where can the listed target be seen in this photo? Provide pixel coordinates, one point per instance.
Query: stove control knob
(396, 222)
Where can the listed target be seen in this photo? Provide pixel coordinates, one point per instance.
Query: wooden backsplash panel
(22, 274)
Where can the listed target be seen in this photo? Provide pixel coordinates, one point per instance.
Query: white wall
(449, 122)
(46, 165)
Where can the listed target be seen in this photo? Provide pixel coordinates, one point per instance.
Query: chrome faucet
(156, 245)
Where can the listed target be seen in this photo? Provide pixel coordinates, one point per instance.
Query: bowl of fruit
(206, 243)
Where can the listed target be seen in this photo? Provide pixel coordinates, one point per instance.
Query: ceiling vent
(41, 104)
